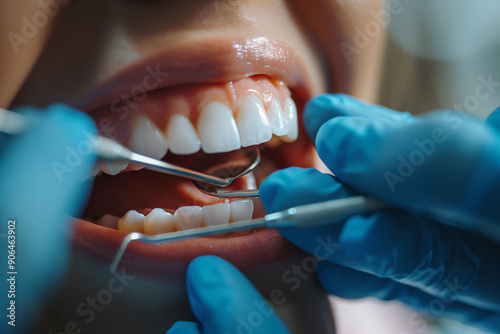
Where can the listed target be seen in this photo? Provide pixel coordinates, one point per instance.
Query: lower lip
(244, 251)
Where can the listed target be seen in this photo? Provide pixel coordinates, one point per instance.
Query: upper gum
(187, 100)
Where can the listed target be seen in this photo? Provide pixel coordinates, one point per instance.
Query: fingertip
(209, 281)
(493, 120)
(297, 186)
(185, 327)
(275, 186)
(77, 126)
(348, 144)
(205, 268)
(320, 109)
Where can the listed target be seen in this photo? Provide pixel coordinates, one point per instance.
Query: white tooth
(108, 221)
(279, 124)
(188, 217)
(158, 221)
(293, 122)
(112, 167)
(133, 221)
(241, 210)
(216, 214)
(217, 129)
(253, 124)
(181, 136)
(94, 172)
(147, 139)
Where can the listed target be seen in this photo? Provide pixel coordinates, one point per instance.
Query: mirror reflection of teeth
(218, 129)
(159, 221)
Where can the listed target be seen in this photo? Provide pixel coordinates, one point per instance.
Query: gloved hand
(441, 171)
(41, 174)
(224, 301)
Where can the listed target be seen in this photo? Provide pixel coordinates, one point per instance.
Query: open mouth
(178, 123)
(199, 96)
(202, 119)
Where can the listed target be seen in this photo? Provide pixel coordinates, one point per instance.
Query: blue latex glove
(224, 301)
(39, 193)
(445, 165)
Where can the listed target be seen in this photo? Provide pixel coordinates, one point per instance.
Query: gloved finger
(493, 120)
(223, 299)
(322, 108)
(353, 284)
(434, 258)
(40, 202)
(296, 186)
(439, 166)
(185, 327)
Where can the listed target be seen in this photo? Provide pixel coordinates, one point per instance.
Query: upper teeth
(216, 130)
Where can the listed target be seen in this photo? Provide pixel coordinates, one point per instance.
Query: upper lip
(206, 61)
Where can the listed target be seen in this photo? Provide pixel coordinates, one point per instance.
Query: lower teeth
(186, 217)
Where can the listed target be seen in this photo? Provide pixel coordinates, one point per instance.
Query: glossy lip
(195, 62)
(162, 259)
(210, 61)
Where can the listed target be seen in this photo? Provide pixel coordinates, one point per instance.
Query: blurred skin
(330, 21)
(88, 42)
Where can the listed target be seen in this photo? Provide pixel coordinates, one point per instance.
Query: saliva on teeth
(187, 217)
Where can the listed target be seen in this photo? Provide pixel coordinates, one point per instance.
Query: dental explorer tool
(109, 149)
(310, 215)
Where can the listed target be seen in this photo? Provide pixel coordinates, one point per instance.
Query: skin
(87, 42)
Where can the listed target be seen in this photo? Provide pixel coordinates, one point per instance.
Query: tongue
(146, 189)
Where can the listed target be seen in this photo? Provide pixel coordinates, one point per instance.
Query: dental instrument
(310, 215)
(110, 150)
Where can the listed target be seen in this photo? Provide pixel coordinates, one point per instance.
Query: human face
(127, 61)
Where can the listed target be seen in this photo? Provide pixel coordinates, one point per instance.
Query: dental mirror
(230, 165)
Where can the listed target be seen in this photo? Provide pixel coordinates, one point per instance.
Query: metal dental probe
(108, 149)
(316, 214)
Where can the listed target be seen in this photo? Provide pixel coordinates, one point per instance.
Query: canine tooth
(279, 124)
(188, 217)
(290, 112)
(158, 221)
(112, 167)
(147, 139)
(253, 123)
(241, 210)
(181, 136)
(216, 214)
(217, 129)
(133, 221)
